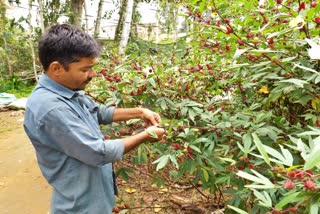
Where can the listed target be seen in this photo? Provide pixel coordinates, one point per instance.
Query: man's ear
(56, 68)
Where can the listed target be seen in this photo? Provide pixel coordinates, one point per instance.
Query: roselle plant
(240, 100)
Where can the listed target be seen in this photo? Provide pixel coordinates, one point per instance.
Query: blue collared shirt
(74, 157)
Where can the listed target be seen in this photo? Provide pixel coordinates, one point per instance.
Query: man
(63, 125)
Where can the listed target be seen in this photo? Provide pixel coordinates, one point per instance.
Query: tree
(120, 20)
(126, 27)
(3, 22)
(98, 20)
(76, 12)
(30, 40)
(41, 19)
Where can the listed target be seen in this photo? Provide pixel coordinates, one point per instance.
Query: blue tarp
(10, 101)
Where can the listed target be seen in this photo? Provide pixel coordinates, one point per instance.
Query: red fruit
(251, 57)
(279, 1)
(270, 41)
(250, 35)
(246, 159)
(116, 210)
(241, 167)
(123, 132)
(218, 23)
(251, 165)
(227, 20)
(189, 150)
(318, 123)
(265, 20)
(200, 66)
(209, 67)
(291, 174)
(275, 211)
(110, 79)
(302, 6)
(289, 184)
(150, 70)
(309, 184)
(292, 209)
(317, 20)
(228, 47)
(240, 42)
(218, 134)
(229, 30)
(299, 174)
(187, 87)
(313, 4)
(104, 72)
(117, 79)
(190, 155)
(175, 146)
(309, 172)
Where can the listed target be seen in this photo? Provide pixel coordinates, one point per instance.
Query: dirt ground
(23, 190)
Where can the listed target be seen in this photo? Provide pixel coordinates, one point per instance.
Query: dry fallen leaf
(163, 190)
(130, 190)
(157, 208)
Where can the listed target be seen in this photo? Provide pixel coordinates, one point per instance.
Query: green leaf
(152, 133)
(193, 147)
(288, 199)
(247, 141)
(238, 53)
(297, 82)
(261, 148)
(260, 179)
(237, 209)
(174, 161)
(205, 174)
(314, 208)
(313, 159)
(152, 82)
(264, 198)
(162, 161)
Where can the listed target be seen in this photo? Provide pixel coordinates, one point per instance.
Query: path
(23, 190)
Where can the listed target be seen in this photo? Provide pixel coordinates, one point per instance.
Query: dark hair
(66, 44)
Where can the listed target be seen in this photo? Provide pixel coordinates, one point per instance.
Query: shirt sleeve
(73, 137)
(105, 114)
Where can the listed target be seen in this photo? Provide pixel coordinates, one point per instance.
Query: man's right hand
(160, 132)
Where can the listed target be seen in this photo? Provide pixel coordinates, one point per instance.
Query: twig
(199, 190)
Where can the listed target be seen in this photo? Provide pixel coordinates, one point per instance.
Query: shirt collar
(57, 88)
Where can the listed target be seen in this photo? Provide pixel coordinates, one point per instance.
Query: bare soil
(23, 190)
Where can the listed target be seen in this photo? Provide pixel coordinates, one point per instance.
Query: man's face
(78, 74)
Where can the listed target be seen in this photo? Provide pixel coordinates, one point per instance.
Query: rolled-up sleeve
(105, 114)
(72, 136)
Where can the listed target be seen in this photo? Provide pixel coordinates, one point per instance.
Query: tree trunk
(98, 20)
(120, 21)
(135, 20)
(76, 12)
(42, 26)
(6, 50)
(29, 18)
(4, 36)
(126, 27)
(86, 16)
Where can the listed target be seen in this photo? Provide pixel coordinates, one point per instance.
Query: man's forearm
(133, 141)
(124, 114)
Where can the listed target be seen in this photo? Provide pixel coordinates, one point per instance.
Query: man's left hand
(150, 117)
